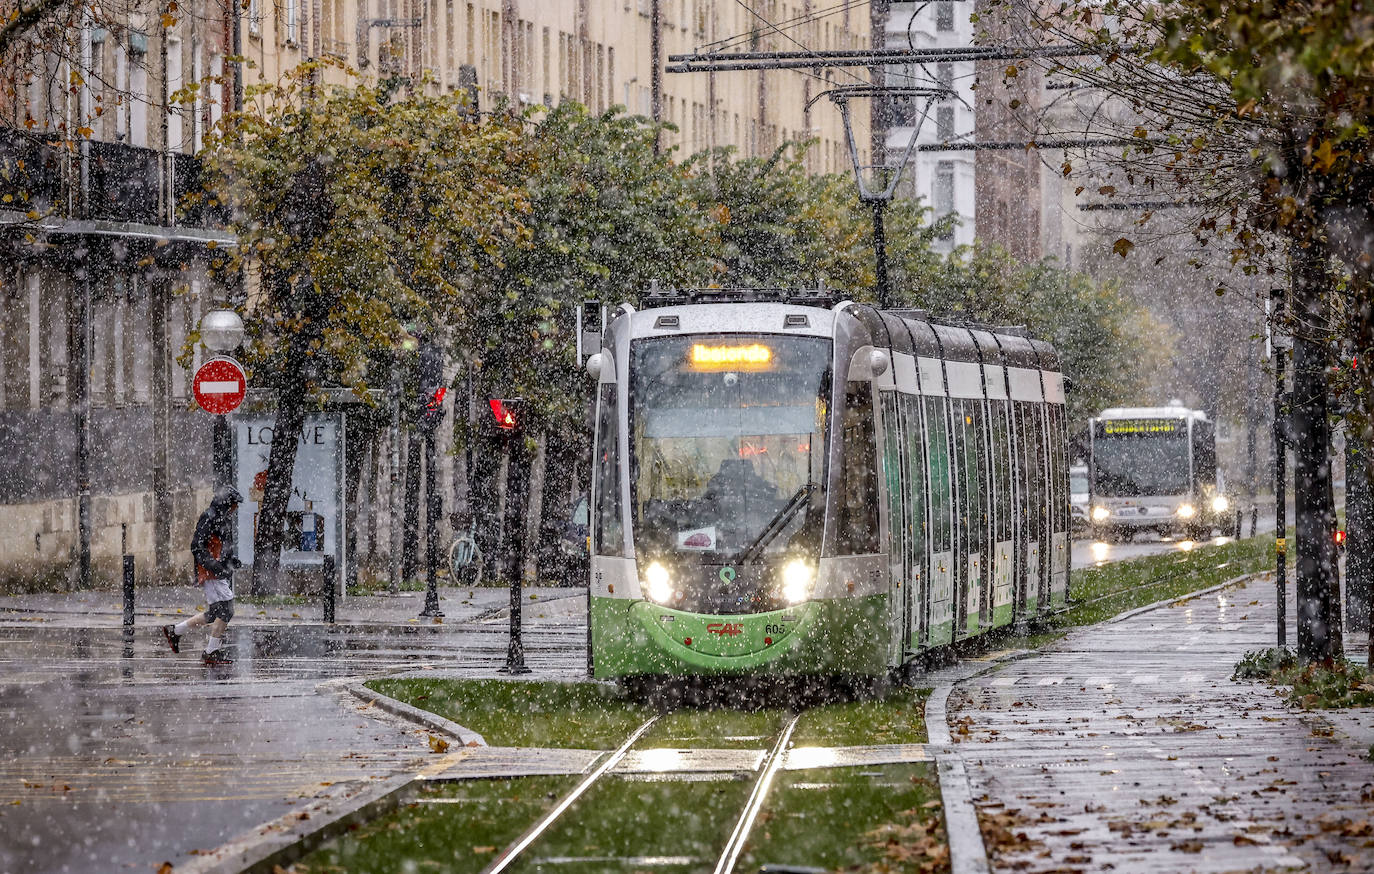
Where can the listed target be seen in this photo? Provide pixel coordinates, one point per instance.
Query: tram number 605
(775, 629)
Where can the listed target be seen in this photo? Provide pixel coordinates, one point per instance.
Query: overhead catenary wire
(790, 23)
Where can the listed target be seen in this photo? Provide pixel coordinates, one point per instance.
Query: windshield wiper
(774, 526)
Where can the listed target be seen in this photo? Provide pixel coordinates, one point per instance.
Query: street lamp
(222, 332)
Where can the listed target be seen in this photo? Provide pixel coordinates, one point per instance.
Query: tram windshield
(729, 444)
(1136, 458)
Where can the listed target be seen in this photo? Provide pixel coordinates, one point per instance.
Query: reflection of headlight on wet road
(797, 580)
(1220, 504)
(660, 587)
(1101, 551)
(1100, 513)
(1186, 511)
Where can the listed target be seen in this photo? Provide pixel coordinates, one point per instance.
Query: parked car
(572, 546)
(1078, 497)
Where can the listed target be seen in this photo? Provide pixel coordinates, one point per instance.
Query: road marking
(1144, 679)
(1050, 681)
(1004, 681)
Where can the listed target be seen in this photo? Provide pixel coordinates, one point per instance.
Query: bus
(1154, 468)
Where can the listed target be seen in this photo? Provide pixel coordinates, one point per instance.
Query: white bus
(1154, 468)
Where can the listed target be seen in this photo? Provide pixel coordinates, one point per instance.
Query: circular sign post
(219, 385)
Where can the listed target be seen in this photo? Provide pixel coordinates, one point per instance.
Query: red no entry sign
(219, 385)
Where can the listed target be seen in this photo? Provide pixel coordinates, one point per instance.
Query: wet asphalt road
(118, 759)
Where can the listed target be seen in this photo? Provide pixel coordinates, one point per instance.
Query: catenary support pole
(1280, 487)
(515, 647)
(433, 510)
(880, 253)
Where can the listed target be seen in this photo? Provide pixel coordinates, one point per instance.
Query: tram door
(1059, 507)
(941, 497)
(1031, 433)
(899, 534)
(1004, 505)
(916, 509)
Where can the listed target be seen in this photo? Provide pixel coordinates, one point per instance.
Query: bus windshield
(728, 437)
(1140, 461)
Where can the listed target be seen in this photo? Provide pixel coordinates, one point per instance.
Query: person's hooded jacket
(212, 545)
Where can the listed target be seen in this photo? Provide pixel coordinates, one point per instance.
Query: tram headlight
(1186, 511)
(1100, 514)
(660, 587)
(798, 578)
(1220, 504)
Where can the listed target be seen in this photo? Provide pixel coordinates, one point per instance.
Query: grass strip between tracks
(1099, 593)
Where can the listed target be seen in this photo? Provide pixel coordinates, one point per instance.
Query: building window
(292, 11)
(944, 75)
(944, 15)
(942, 194)
(944, 123)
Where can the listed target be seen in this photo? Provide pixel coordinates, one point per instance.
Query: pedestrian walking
(212, 547)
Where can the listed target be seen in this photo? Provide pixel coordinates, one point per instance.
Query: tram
(1155, 468)
(786, 483)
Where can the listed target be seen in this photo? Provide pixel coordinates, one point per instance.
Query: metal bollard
(1236, 531)
(128, 598)
(515, 647)
(1254, 520)
(329, 574)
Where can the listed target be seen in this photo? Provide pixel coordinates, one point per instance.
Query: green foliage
(1316, 685)
(1107, 344)
(358, 215)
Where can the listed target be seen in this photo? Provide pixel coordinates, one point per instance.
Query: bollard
(327, 571)
(128, 598)
(1254, 520)
(515, 649)
(1236, 530)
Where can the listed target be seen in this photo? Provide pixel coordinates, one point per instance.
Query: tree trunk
(1318, 615)
(410, 550)
(281, 463)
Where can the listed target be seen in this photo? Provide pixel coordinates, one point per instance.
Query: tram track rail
(768, 770)
(510, 854)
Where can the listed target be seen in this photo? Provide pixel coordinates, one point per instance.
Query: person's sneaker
(218, 657)
(173, 639)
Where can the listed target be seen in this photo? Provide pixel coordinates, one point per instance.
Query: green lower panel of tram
(825, 637)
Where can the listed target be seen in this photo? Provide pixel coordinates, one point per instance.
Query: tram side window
(610, 535)
(1060, 460)
(916, 478)
(1001, 454)
(937, 442)
(1034, 477)
(973, 473)
(857, 528)
(892, 473)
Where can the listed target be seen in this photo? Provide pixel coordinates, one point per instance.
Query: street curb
(288, 838)
(424, 718)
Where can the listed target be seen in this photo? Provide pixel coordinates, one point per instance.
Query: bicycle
(465, 563)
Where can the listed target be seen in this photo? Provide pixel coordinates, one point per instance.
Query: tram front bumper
(830, 636)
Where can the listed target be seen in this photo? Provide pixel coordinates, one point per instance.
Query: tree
(356, 214)
(1257, 114)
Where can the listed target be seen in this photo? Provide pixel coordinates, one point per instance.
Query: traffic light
(432, 388)
(507, 413)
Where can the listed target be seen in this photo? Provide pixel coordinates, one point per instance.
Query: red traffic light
(1340, 538)
(436, 400)
(505, 415)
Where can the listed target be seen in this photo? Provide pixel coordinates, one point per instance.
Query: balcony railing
(125, 181)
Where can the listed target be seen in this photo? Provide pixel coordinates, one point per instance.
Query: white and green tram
(783, 484)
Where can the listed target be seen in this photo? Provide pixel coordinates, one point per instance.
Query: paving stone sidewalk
(1126, 747)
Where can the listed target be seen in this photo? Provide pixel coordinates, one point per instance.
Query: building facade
(944, 179)
(98, 138)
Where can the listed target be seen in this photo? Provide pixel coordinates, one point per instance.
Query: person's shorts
(219, 610)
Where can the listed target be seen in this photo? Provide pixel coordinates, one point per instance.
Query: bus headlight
(1186, 511)
(1220, 504)
(660, 587)
(1100, 514)
(798, 578)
